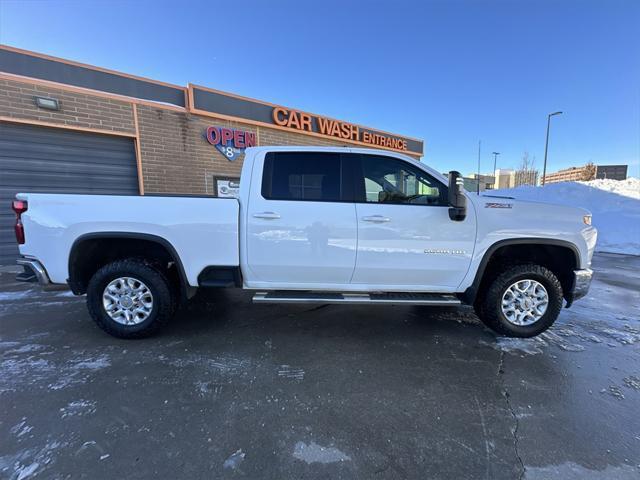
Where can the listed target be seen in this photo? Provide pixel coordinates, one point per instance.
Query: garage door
(52, 160)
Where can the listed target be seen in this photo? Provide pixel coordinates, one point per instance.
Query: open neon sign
(231, 143)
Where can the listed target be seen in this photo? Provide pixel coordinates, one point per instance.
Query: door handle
(267, 215)
(376, 219)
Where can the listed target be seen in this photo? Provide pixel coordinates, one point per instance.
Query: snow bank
(615, 205)
(628, 188)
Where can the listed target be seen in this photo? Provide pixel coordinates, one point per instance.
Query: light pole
(495, 162)
(546, 146)
(478, 179)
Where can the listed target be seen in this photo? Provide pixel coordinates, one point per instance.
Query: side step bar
(434, 299)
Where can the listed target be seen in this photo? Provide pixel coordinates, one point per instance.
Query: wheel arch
(501, 249)
(124, 244)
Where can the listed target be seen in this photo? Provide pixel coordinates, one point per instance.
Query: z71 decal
(498, 205)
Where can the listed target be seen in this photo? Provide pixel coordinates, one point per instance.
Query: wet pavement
(233, 390)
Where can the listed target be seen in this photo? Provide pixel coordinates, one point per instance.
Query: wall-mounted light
(47, 103)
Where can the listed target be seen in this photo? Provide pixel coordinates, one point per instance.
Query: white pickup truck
(312, 225)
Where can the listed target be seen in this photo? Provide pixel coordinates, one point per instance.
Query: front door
(406, 240)
(302, 229)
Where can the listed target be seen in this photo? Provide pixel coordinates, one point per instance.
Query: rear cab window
(307, 176)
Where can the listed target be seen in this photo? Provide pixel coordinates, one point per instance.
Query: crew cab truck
(312, 225)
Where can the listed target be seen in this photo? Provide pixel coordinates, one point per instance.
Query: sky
(451, 72)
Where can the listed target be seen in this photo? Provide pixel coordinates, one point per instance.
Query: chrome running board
(402, 298)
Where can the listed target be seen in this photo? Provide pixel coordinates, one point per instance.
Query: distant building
(505, 178)
(510, 178)
(574, 174)
(613, 172)
(471, 182)
(486, 181)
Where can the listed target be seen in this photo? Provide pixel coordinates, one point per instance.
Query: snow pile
(615, 205)
(628, 188)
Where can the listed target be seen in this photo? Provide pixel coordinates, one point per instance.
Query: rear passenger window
(312, 176)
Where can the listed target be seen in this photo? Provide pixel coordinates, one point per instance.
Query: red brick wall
(176, 158)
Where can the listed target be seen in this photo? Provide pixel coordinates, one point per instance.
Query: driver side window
(391, 180)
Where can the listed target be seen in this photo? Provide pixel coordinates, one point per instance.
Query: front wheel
(130, 299)
(523, 301)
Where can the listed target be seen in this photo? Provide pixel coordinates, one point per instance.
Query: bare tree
(527, 163)
(589, 172)
(526, 174)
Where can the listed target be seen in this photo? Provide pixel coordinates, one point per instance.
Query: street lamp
(546, 146)
(495, 160)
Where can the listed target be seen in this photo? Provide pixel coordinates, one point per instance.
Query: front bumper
(581, 283)
(33, 271)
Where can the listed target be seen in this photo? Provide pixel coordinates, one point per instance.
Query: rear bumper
(33, 271)
(581, 283)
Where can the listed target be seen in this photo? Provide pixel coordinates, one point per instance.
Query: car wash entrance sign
(231, 143)
(226, 106)
(328, 127)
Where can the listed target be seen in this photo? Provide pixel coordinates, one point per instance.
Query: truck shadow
(226, 312)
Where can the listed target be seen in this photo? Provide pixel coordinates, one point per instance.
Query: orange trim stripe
(138, 150)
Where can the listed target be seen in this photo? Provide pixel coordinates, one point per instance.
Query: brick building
(571, 174)
(574, 174)
(75, 128)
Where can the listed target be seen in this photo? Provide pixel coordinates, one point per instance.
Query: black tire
(489, 308)
(164, 303)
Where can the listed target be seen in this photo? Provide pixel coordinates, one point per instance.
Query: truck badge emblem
(445, 251)
(498, 205)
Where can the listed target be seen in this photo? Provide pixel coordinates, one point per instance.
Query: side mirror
(457, 200)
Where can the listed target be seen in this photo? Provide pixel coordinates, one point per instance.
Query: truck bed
(202, 230)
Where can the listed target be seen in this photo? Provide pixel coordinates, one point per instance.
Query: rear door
(405, 237)
(301, 221)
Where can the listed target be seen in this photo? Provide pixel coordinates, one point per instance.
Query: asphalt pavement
(235, 390)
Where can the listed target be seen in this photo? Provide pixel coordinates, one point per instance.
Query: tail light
(19, 206)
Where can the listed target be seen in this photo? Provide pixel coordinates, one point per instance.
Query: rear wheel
(523, 301)
(130, 298)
